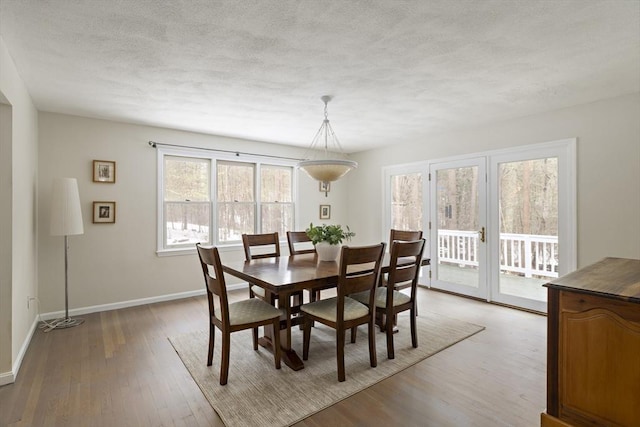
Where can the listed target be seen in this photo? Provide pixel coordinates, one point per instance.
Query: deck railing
(524, 254)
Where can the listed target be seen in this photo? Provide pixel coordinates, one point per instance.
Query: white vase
(327, 252)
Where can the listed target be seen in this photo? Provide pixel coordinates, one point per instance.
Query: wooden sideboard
(593, 346)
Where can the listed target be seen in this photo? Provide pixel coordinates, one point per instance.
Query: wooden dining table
(283, 276)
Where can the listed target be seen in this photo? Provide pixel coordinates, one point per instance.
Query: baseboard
(10, 377)
(7, 378)
(131, 303)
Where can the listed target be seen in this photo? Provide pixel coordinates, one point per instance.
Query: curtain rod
(237, 153)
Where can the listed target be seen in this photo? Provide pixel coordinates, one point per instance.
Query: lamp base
(62, 323)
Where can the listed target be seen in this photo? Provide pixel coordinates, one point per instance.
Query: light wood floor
(119, 369)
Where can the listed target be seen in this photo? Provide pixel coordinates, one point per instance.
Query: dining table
(283, 276)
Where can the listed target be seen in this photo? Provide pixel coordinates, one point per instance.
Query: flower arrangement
(332, 234)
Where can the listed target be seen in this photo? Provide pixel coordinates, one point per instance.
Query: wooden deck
(509, 284)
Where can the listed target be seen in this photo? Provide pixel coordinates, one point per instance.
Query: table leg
(289, 356)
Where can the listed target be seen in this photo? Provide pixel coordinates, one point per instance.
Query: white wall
(21, 196)
(608, 169)
(113, 263)
(5, 236)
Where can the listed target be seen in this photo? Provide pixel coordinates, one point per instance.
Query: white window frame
(214, 156)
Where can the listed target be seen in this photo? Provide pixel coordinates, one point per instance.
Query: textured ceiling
(398, 70)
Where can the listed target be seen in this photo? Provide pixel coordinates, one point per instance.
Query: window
(186, 204)
(276, 190)
(212, 199)
(406, 201)
(236, 201)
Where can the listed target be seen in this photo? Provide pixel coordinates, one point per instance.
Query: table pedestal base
(289, 356)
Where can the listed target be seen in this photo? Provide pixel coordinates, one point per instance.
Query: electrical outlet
(29, 299)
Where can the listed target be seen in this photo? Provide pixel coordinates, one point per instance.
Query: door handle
(481, 231)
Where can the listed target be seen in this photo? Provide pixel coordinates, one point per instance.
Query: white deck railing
(525, 254)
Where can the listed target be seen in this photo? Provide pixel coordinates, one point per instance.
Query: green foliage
(332, 234)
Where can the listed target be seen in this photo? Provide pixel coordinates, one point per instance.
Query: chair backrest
(404, 265)
(214, 282)
(268, 245)
(404, 235)
(294, 237)
(359, 271)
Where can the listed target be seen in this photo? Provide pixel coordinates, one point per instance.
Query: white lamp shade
(66, 215)
(327, 170)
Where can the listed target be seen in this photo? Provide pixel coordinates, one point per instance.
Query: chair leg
(276, 342)
(212, 340)
(306, 337)
(255, 338)
(373, 359)
(340, 353)
(413, 313)
(354, 331)
(226, 348)
(389, 332)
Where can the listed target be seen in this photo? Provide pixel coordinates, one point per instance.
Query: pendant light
(326, 169)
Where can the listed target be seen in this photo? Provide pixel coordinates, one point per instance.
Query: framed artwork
(325, 187)
(325, 211)
(104, 171)
(104, 212)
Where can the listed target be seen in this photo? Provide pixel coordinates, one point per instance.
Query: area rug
(259, 395)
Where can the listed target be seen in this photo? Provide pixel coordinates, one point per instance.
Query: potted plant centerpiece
(328, 239)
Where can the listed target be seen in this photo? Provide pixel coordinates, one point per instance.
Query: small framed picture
(325, 187)
(104, 171)
(104, 212)
(325, 211)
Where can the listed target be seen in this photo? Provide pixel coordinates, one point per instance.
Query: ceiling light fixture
(325, 169)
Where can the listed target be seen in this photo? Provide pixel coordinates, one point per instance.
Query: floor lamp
(66, 220)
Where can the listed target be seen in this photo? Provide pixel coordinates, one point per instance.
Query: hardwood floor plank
(119, 368)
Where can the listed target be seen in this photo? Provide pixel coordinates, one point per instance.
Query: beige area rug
(259, 395)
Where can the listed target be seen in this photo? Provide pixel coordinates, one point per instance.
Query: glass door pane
(528, 222)
(458, 218)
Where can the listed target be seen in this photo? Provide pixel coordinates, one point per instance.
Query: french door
(533, 239)
(458, 212)
(503, 224)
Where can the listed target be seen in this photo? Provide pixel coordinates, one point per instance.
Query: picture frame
(325, 211)
(325, 187)
(104, 212)
(104, 171)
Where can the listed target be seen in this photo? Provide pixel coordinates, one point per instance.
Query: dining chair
(264, 246)
(403, 236)
(389, 301)
(246, 314)
(359, 271)
(305, 247)
(267, 245)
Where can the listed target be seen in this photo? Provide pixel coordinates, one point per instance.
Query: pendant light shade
(326, 169)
